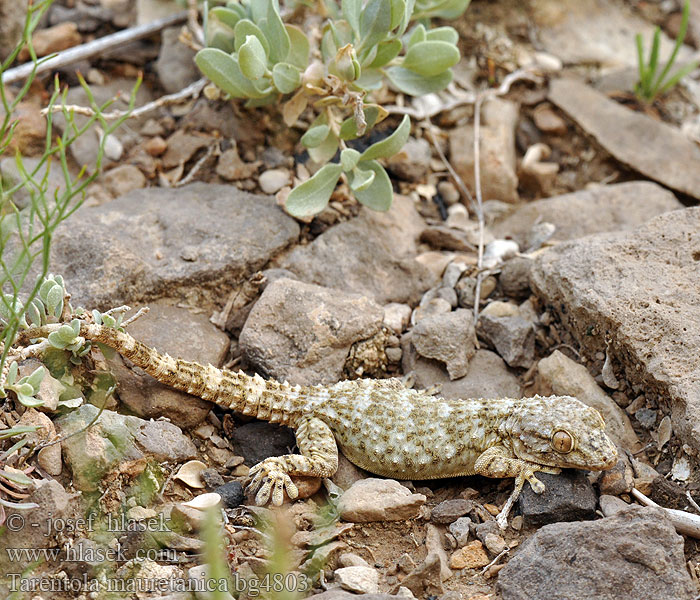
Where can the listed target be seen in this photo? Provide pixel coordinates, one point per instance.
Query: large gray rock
(114, 439)
(634, 555)
(593, 31)
(184, 335)
(655, 149)
(601, 208)
(640, 290)
(488, 377)
(12, 15)
(373, 254)
(195, 242)
(302, 333)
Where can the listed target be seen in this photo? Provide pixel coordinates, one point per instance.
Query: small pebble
(471, 556)
(231, 493)
(156, 146)
(449, 192)
(449, 511)
(273, 180)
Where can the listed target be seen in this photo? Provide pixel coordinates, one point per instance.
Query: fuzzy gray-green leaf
(379, 195)
(390, 145)
(286, 77)
(349, 158)
(224, 72)
(315, 136)
(414, 84)
(431, 57)
(246, 27)
(299, 47)
(445, 34)
(360, 180)
(386, 51)
(274, 30)
(311, 197)
(252, 58)
(375, 22)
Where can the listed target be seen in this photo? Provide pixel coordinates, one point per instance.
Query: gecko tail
(267, 400)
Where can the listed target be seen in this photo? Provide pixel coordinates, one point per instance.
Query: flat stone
(567, 497)
(412, 162)
(619, 206)
(593, 32)
(449, 338)
(488, 377)
(634, 555)
(302, 333)
(358, 579)
(155, 242)
(181, 334)
(499, 180)
(182, 146)
(372, 254)
(449, 511)
(655, 149)
(379, 500)
(639, 289)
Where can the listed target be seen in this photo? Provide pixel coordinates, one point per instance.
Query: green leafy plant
(251, 53)
(28, 220)
(653, 84)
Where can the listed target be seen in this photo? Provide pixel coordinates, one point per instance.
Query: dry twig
(191, 91)
(96, 47)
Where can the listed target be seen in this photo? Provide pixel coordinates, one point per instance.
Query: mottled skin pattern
(386, 428)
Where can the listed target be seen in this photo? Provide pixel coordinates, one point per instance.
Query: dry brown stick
(93, 48)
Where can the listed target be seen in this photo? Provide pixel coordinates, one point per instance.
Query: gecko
(384, 427)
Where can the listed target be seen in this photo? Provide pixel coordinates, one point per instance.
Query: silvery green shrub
(366, 44)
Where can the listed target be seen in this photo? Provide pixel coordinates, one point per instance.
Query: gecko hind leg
(318, 458)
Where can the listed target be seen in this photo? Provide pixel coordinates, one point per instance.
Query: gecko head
(561, 431)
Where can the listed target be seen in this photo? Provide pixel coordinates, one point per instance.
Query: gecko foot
(270, 479)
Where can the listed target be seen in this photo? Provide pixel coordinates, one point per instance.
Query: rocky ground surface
(589, 286)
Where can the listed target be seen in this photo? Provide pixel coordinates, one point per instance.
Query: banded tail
(267, 400)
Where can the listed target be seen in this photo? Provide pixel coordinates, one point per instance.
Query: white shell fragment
(204, 501)
(191, 474)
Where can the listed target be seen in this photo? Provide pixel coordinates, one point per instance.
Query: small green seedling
(653, 84)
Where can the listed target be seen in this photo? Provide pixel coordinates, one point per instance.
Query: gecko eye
(562, 442)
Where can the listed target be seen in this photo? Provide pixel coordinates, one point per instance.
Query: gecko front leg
(498, 461)
(318, 458)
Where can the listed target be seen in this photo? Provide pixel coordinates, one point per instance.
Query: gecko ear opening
(562, 442)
